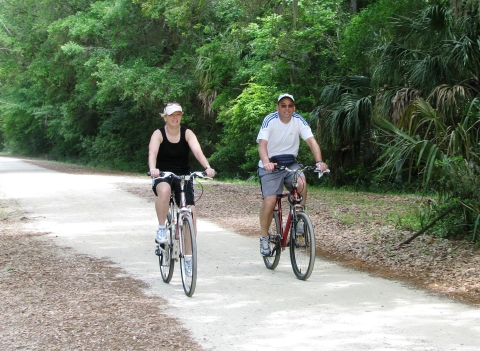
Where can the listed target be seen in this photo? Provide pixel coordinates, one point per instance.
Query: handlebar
(306, 168)
(192, 175)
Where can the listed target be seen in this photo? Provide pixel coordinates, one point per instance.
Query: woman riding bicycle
(168, 151)
(278, 143)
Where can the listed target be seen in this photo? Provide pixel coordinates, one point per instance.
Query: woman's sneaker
(161, 237)
(265, 245)
(188, 266)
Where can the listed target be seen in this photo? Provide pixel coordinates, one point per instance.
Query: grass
(356, 206)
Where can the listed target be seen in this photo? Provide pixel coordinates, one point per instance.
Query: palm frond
(449, 100)
(402, 103)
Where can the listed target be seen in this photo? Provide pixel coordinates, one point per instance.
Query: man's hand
(322, 166)
(269, 167)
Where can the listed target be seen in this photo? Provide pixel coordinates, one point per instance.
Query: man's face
(285, 108)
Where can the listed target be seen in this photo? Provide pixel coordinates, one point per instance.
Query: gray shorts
(272, 182)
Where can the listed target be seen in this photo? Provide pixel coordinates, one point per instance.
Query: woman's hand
(154, 172)
(210, 172)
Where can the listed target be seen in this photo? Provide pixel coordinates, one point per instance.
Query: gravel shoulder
(64, 306)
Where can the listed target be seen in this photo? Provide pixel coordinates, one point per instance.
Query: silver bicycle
(181, 244)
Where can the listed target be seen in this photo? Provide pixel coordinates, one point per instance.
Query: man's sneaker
(161, 237)
(188, 266)
(264, 246)
(300, 228)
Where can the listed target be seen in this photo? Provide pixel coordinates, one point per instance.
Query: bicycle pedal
(159, 250)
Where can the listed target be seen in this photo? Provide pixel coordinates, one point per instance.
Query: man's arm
(317, 153)
(263, 153)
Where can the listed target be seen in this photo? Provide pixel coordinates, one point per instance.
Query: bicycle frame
(182, 212)
(297, 232)
(285, 228)
(182, 243)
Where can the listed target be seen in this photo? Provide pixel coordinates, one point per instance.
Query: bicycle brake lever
(320, 173)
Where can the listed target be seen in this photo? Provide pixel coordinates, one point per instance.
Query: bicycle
(298, 224)
(181, 241)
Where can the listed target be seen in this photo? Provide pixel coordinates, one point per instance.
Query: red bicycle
(302, 237)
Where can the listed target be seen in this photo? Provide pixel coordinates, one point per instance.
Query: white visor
(170, 109)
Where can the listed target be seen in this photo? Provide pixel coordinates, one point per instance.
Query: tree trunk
(353, 6)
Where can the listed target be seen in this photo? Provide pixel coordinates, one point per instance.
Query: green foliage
(238, 153)
(397, 81)
(434, 134)
(360, 36)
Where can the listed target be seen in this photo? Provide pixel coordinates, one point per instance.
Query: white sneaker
(265, 245)
(300, 228)
(161, 237)
(188, 266)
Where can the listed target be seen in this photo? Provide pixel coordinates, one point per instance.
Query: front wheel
(302, 246)
(188, 257)
(164, 252)
(275, 238)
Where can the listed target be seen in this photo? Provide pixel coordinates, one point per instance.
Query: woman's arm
(155, 141)
(198, 153)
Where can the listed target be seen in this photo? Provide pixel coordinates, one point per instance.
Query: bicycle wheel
(302, 246)
(166, 260)
(189, 247)
(271, 261)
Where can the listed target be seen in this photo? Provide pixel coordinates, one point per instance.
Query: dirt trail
(78, 301)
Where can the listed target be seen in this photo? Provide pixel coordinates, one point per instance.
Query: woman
(168, 151)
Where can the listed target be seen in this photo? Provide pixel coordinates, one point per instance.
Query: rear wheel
(302, 246)
(189, 248)
(165, 254)
(271, 261)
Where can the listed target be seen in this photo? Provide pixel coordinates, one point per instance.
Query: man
(278, 144)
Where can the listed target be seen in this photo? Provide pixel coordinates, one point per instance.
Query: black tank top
(173, 157)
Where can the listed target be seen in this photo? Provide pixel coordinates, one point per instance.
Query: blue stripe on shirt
(274, 115)
(303, 120)
(269, 118)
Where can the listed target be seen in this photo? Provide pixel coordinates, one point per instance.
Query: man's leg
(302, 186)
(266, 213)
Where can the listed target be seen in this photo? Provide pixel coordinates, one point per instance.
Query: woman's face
(174, 119)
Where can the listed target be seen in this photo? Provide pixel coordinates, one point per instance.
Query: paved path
(238, 303)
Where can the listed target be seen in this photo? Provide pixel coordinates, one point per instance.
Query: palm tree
(423, 97)
(432, 68)
(344, 122)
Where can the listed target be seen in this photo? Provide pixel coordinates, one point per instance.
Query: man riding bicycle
(278, 143)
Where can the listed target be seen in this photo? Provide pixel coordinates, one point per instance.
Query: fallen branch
(423, 230)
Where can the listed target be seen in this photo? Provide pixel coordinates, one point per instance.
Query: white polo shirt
(283, 138)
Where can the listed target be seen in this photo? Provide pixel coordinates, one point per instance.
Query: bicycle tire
(188, 233)
(166, 260)
(271, 262)
(302, 247)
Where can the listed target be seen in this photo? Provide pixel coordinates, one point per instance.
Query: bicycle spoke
(302, 247)
(188, 259)
(271, 261)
